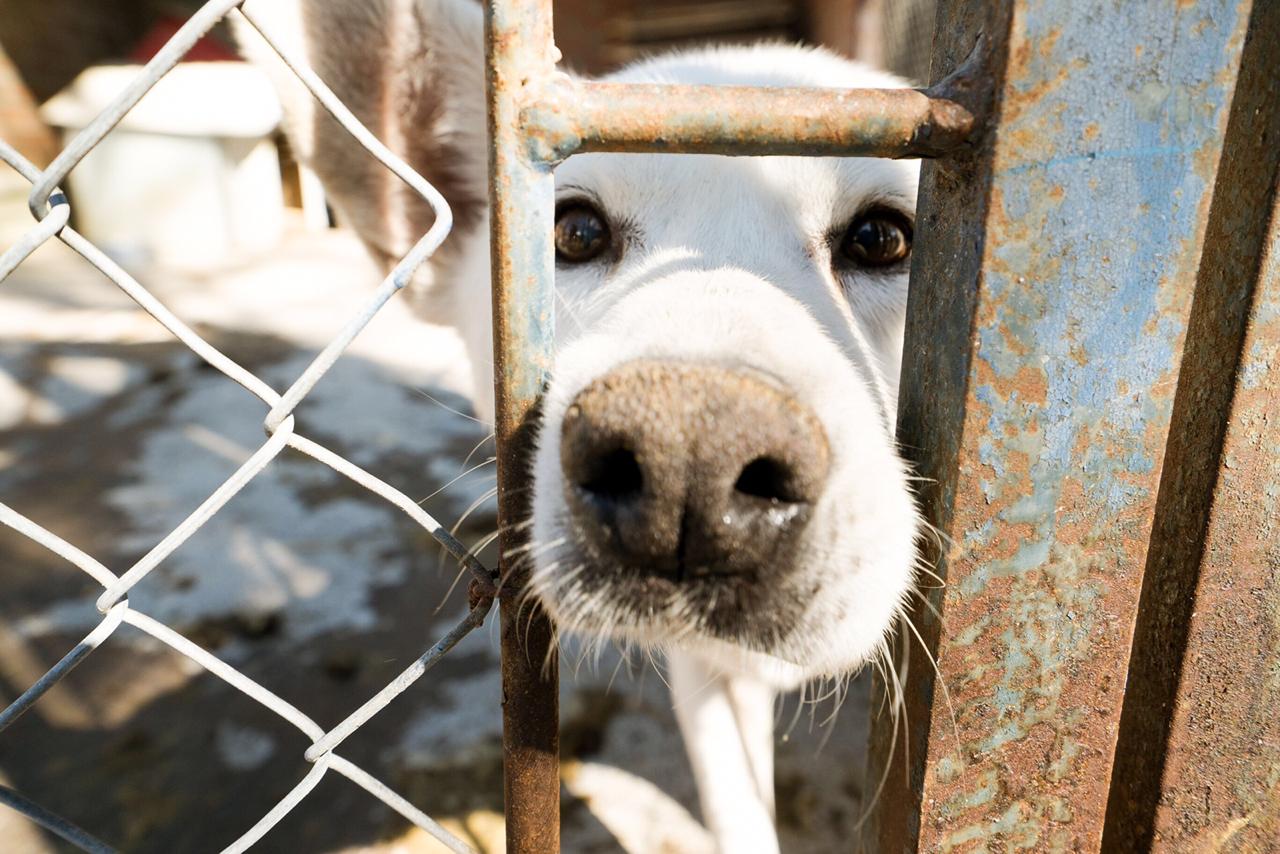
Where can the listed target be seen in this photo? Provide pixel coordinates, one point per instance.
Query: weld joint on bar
(966, 89)
(549, 124)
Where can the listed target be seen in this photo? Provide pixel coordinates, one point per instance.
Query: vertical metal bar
(519, 54)
(1060, 256)
(951, 211)
(1198, 763)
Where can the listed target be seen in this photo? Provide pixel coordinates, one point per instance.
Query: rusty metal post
(520, 52)
(1051, 291)
(1198, 766)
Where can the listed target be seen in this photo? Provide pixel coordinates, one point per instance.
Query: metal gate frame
(537, 118)
(1044, 387)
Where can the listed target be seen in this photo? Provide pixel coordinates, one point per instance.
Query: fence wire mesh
(51, 210)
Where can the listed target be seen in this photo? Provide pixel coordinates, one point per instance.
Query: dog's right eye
(877, 238)
(581, 233)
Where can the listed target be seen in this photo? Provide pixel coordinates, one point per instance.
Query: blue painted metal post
(1199, 761)
(1061, 256)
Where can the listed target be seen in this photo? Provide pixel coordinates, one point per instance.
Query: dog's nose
(683, 470)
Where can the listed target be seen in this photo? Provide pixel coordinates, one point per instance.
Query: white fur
(726, 260)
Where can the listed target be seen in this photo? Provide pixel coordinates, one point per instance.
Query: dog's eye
(581, 233)
(877, 238)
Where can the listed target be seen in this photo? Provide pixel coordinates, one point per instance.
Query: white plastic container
(190, 178)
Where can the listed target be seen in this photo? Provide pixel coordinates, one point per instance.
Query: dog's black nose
(682, 470)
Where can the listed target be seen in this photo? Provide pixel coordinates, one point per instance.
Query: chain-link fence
(52, 212)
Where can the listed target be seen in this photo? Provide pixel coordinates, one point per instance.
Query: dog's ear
(413, 72)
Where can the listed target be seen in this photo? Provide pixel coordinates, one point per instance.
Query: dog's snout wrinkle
(684, 470)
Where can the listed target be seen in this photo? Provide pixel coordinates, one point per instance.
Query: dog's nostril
(615, 475)
(765, 477)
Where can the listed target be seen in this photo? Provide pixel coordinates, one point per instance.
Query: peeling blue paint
(1110, 128)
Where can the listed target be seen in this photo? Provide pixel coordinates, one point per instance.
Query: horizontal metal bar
(568, 116)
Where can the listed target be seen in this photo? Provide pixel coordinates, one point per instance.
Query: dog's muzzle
(684, 472)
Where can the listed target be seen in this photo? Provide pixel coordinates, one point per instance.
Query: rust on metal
(1061, 255)
(952, 204)
(572, 116)
(519, 50)
(1198, 762)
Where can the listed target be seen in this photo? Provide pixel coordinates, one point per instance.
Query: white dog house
(190, 178)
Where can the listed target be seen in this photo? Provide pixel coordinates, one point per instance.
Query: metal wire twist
(52, 211)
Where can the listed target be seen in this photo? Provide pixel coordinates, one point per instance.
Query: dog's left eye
(877, 238)
(581, 233)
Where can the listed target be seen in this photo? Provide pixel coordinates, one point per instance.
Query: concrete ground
(111, 432)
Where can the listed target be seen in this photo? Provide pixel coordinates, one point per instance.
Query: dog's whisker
(926, 601)
(447, 408)
(473, 507)
(552, 654)
(840, 690)
(899, 716)
(467, 459)
(800, 702)
(877, 661)
(459, 477)
(453, 585)
(472, 552)
(569, 310)
(531, 546)
(622, 659)
(922, 567)
(946, 693)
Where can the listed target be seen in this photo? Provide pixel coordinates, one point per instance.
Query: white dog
(716, 476)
